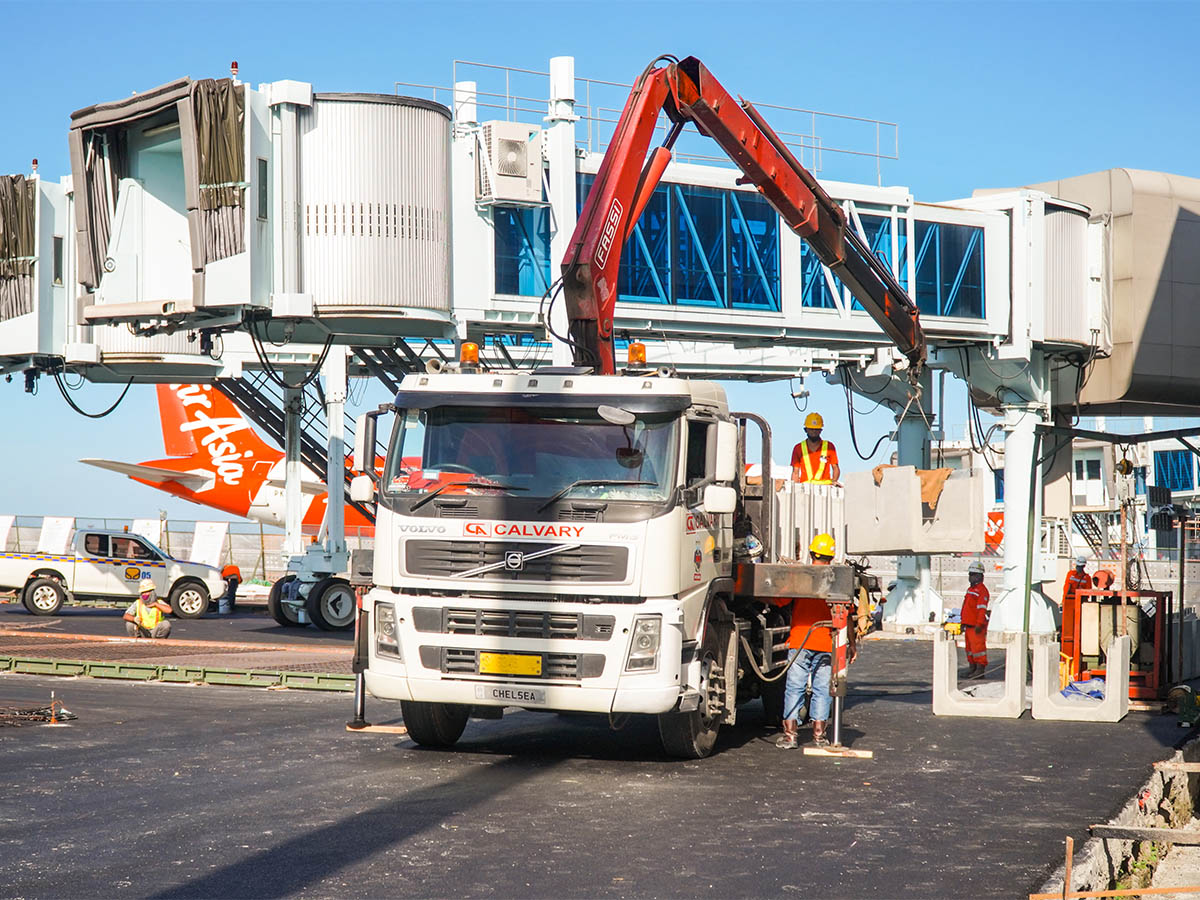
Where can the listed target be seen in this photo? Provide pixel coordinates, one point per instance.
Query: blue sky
(985, 94)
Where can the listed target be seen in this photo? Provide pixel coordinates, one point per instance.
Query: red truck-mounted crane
(688, 92)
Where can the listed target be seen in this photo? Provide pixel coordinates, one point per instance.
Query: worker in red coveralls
(813, 459)
(974, 619)
(1076, 579)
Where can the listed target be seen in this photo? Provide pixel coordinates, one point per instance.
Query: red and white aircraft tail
(216, 459)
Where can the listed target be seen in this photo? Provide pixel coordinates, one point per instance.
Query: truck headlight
(643, 649)
(387, 639)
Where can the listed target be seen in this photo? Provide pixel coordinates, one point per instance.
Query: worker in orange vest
(813, 459)
(974, 618)
(1076, 579)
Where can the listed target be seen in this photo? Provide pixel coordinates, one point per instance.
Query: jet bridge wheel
(281, 612)
(434, 724)
(331, 604)
(692, 735)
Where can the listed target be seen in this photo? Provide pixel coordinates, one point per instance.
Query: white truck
(565, 541)
(108, 565)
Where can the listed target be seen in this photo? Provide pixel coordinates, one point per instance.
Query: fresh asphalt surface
(181, 791)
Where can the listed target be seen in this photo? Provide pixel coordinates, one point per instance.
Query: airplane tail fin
(198, 420)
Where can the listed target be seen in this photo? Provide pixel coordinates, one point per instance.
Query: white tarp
(6, 524)
(208, 542)
(56, 534)
(151, 529)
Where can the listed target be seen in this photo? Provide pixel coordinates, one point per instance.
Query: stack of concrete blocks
(948, 700)
(888, 517)
(1048, 701)
(802, 511)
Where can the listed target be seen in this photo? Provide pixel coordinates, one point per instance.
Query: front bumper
(613, 690)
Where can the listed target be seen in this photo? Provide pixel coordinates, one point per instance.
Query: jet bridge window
(18, 203)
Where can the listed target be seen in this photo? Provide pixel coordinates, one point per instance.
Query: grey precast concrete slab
(250, 626)
(244, 793)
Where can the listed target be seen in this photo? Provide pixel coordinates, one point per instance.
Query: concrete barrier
(948, 700)
(1048, 701)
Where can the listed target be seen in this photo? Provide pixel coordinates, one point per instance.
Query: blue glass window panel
(522, 250)
(700, 246)
(949, 267)
(1173, 469)
(998, 475)
(1139, 480)
(878, 230)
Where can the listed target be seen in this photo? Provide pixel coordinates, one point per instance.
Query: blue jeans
(819, 665)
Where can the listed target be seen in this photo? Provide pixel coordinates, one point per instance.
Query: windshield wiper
(477, 484)
(593, 482)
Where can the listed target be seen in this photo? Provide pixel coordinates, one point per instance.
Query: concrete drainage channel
(313, 681)
(1133, 845)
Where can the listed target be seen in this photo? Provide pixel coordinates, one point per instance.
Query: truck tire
(692, 735)
(189, 600)
(43, 596)
(331, 604)
(434, 724)
(280, 611)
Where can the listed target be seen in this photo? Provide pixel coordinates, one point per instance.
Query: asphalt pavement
(253, 625)
(177, 791)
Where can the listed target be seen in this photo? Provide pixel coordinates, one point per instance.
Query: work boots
(970, 673)
(790, 739)
(979, 670)
(820, 726)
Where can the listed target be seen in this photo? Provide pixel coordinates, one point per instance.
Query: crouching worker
(144, 617)
(809, 646)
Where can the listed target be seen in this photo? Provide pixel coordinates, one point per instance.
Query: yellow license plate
(510, 664)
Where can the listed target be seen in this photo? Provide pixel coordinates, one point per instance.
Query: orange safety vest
(1073, 582)
(816, 476)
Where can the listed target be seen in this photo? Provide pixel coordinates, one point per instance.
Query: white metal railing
(517, 94)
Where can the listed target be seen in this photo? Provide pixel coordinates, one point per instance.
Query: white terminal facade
(365, 232)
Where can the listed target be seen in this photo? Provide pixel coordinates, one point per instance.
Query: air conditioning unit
(508, 164)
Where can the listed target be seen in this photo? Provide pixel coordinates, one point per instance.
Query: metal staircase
(1091, 531)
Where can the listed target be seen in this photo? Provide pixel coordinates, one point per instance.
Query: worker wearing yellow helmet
(813, 459)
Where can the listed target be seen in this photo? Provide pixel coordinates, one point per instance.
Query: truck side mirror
(364, 445)
(719, 498)
(362, 489)
(726, 462)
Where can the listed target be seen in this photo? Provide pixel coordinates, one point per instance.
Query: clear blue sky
(986, 95)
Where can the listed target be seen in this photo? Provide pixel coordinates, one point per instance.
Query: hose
(784, 671)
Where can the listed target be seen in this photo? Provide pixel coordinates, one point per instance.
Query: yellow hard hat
(146, 585)
(814, 420)
(823, 545)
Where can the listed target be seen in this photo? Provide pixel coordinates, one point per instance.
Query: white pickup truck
(108, 565)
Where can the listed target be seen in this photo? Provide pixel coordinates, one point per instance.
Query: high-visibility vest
(975, 606)
(817, 477)
(148, 617)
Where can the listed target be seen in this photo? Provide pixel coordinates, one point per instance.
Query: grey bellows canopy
(211, 115)
(18, 235)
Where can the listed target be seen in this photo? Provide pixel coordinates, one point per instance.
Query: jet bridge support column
(913, 600)
(560, 154)
(335, 464)
(1020, 467)
(293, 540)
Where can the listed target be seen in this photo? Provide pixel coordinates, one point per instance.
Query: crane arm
(688, 92)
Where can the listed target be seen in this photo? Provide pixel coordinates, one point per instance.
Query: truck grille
(462, 661)
(589, 563)
(515, 623)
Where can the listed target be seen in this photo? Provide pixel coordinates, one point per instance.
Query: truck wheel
(434, 724)
(282, 613)
(691, 735)
(43, 596)
(331, 604)
(189, 600)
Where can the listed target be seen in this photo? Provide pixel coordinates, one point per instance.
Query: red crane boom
(688, 92)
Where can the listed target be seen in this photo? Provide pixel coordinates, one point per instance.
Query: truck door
(132, 561)
(91, 565)
(699, 540)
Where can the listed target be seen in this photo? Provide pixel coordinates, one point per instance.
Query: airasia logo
(213, 433)
(610, 232)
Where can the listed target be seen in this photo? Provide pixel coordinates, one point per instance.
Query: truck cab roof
(647, 392)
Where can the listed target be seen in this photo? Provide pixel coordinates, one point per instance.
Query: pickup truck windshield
(535, 451)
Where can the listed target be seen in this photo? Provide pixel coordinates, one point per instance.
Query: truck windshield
(536, 451)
